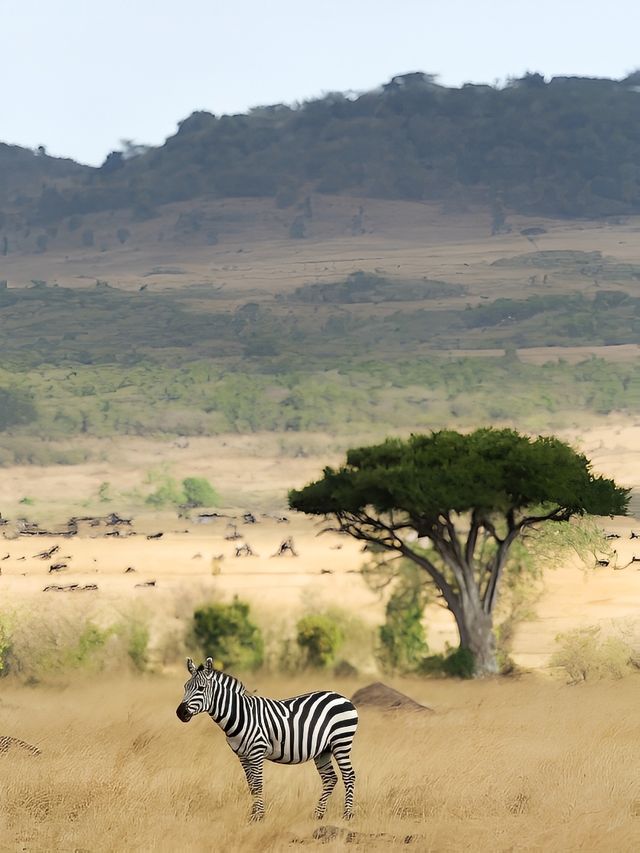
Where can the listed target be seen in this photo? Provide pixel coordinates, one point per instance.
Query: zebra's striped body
(315, 726)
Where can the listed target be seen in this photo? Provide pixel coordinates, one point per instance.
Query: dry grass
(518, 765)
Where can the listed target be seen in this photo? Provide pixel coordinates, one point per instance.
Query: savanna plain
(523, 765)
(253, 362)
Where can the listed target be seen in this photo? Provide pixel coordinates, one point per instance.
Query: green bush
(167, 493)
(403, 643)
(16, 408)
(135, 634)
(90, 642)
(226, 633)
(198, 491)
(319, 638)
(457, 663)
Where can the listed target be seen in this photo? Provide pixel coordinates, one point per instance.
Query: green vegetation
(136, 634)
(48, 645)
(319, 637)
(178, 363)
(585, 655)
(369, 287)
(168, 492)
(198, 491)
(471, 496)
(226, 633)
(566, 147)
(403, 643)
(16, 408)
(454, 663)
(5, 642)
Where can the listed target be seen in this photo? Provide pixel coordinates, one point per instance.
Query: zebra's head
(198, 691)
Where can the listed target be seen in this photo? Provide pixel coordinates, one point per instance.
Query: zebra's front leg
(329, 778)
(253, 771)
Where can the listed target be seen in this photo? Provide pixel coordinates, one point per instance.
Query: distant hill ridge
(566, 147)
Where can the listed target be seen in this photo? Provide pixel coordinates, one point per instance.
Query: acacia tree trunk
(476, 634)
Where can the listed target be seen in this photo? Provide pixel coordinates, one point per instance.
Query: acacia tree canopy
(458, 492)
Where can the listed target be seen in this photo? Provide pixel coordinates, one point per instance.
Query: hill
(567, 147)
(24, 172)
(425, 320)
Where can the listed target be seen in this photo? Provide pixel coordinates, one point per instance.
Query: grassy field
(396, 328)
(529, 764)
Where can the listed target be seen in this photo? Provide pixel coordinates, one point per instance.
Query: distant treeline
(566, 147)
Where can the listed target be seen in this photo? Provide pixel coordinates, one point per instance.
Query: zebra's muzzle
(183, 713)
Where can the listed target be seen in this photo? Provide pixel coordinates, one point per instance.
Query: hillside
(23, 173)
(425, 320)
(371, 280)
(568, 147)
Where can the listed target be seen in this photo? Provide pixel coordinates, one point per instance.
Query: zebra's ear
(209, 666)
(191, 666)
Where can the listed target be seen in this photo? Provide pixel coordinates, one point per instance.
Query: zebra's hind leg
(342, 755)
(253, 771)
(329, 778)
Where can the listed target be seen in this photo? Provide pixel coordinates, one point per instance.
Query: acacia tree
(454, 504)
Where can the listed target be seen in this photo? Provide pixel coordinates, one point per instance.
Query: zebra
(318, 725)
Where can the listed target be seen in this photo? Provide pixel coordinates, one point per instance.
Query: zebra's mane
(228, 680)
(232, 681)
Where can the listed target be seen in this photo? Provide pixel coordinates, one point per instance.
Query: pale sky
(79, 75)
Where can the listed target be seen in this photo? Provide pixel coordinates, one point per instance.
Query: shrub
(167, 493)
(5, 644)
(198, 491)
(403, 643)
(226, 633)
(456, 663)
(16, 408)
(138, 645)
(104, 492)
(584, 654)
(319, 637)
(47, 644)
(459, 663)
(91, 640)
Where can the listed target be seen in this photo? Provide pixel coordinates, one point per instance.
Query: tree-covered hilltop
(23, 173)
(566, 147)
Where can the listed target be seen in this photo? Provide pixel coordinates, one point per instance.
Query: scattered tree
(454, 505)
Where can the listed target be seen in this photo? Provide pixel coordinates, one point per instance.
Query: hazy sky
(79, 75)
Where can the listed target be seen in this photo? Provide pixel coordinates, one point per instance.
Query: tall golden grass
(525, 764)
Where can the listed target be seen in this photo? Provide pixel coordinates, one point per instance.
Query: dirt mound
(379, 695)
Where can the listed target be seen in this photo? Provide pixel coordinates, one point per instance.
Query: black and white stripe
(316, 726)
